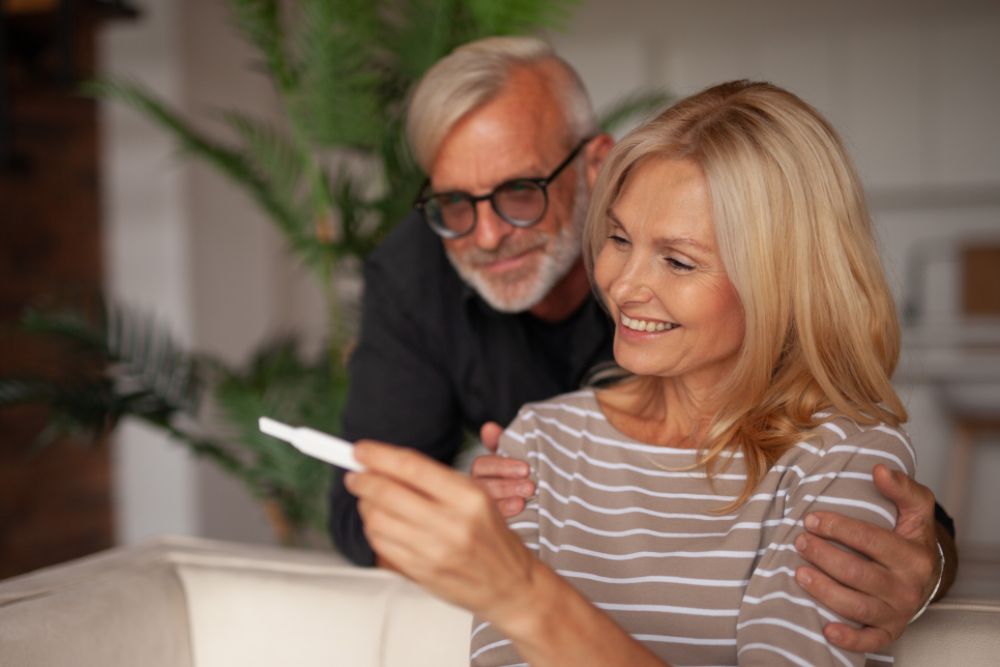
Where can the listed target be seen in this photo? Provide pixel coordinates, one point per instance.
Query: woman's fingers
(434, 480)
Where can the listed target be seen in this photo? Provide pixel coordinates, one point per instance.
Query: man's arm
(882, 593)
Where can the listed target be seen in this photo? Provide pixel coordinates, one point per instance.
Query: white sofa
(180, 602)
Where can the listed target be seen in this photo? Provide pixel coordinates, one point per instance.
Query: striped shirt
(639, 538)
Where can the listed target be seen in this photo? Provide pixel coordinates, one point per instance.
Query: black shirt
(434, 360)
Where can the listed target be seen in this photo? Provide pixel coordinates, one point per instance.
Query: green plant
(334, 175)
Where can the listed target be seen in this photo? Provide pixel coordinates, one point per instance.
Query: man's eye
(515, 187)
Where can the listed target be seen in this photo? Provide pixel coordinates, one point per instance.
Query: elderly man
(479, 302)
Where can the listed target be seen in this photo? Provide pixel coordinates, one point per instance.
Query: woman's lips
(638, 325)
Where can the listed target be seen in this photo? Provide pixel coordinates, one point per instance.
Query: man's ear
(594, 155)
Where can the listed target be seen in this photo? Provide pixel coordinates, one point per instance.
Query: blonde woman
(729, 241)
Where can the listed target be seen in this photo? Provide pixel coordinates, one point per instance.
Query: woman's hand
(440, 529)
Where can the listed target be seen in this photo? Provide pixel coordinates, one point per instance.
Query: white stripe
(869, 452)
(489, 647)
(843, 474)
(836, 429)
(478, 629)
(717, 553)
(670, 639)
(522, 524)
(787, 571)
(545, 486)
(850, 502)
(575, 476)
(791, 657)
(880, 658)
(630, 445)
(573, 523)
(906, 443)
(580, 454)
(797, 629)
(667, 609)
(572, 409)
(655, 579)
(782, 595)
(656, 472)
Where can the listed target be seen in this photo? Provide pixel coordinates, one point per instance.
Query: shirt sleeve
(488, 647)
(779, 623)
(399, 393)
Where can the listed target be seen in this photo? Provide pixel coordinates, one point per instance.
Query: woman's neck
(661, 411)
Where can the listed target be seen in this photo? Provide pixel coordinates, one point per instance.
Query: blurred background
(94, 197)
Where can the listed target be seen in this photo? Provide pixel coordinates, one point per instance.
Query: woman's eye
(679, 265)
(620, 241)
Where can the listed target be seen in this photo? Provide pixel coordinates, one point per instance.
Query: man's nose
(490, 229)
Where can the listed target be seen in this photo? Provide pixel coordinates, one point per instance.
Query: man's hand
(882, 594)
(504, 479)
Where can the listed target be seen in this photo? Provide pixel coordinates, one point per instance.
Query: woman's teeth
(646, 325)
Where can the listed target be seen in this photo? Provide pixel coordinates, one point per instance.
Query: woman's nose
(632, 282)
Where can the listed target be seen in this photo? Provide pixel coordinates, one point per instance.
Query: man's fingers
(504, 489)
(844, 567)
(499, 466)
(489, 434)
(848, 603)
(861, 640)
(914, 502)
(879, 544)
(510, 507)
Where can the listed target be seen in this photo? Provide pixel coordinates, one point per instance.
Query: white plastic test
(313, 443)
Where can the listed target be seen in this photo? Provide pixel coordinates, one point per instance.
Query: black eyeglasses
(522, 202)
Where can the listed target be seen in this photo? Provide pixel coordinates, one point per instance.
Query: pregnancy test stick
(313, 443)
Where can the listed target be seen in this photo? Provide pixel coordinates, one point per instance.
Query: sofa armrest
(952, 632)
(110, 614)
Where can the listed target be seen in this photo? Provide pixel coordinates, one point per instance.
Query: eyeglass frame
(542, 183)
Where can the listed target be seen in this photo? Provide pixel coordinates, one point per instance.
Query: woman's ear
(594, 155)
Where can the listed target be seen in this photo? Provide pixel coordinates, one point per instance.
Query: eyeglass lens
(520, 202)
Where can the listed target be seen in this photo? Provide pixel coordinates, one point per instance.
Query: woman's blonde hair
(796, 240)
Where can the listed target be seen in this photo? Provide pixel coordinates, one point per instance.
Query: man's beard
(521, 289)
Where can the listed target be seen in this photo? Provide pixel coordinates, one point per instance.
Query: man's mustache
(511, 246)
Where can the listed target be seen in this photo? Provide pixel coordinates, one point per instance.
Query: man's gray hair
(475, 73)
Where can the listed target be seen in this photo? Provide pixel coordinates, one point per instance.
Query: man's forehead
(512, 136)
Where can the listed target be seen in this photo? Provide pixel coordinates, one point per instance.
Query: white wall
(911, 85)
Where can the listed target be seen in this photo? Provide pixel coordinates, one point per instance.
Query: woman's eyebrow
(663, 241)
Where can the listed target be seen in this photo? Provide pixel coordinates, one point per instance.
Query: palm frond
(279, 383)
(416, 34)
(516, 16)
(261, 22)
(277, 162)
(231, 162)
(337, 99)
